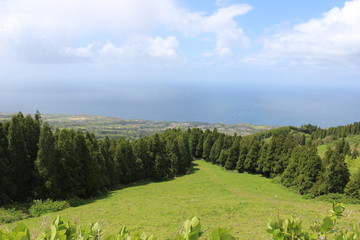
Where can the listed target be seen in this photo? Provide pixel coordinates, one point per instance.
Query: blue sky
(171, 42)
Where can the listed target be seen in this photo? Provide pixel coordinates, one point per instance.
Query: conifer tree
(107, 149)
(240, 164)
(141, 153)
(336, 174)
(303, 170)
(252, 157)
(263, 165)
(233, 155)
(125, 161)
(199, 146)
(46, 164)
(185, 155)
(223, 157)
(216, 149)
(208, 142)
(159, 158)
(20, 164)
(5, 183)
(353, 186)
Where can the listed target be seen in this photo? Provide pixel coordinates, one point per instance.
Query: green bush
(40, 207)
(327, 229)
(11, 215)
(337, 197)
(76, 201)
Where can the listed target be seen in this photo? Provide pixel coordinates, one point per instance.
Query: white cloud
(141, 46)
(229, 36)
(40, 30)
(334, 38)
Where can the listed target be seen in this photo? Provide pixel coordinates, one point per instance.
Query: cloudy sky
(171, 42)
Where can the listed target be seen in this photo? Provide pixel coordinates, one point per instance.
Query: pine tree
(199, 146)
(161, 164)
(353, 186)
(107, 149)
(216, 149)
(95, 175)
(141, 152)
(47, 164)
(252, 157)
(5, 183)
(208, 142)
(185, 155)
(70, 149)
(263, 166)
(194, 139)
(336, 174)
(125, 161)
(20, 164)
(223, 157)
(240, 164)
(303, 169)
(233, 155)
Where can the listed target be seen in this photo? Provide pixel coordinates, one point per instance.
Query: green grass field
(242, 202)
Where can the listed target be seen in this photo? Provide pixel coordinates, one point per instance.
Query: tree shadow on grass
(193, 169)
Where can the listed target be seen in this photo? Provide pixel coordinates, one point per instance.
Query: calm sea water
(232, 104)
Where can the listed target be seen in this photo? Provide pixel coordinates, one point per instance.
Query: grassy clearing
(242, 202)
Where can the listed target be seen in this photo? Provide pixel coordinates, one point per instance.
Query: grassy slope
(113, 127)
(242, 202)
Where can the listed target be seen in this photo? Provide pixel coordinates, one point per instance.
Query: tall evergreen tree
(303, 169)
(161, 164)
(252, 157)
(233, 155)
(240, 164)
(353, 186)
(216, 149)
(125, 161)
(208, 142)
(20, 164)
(263, 166)
(107, 149)
(336, 174)
(185, 154)
(5, 183)
(47, 164)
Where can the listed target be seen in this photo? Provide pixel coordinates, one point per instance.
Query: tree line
(289, 153)
(39, 163)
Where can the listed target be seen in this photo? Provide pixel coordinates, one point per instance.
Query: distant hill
(134, 128)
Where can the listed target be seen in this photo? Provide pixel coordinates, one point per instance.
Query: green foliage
(61, 230)
(280, 229)
(221, 234)
(40, 207)
(337, 197)
(191, 230)
(9, 215)
(292, 229)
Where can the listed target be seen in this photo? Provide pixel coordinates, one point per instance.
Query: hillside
(242, 202)
(354, 142)
(114, 127)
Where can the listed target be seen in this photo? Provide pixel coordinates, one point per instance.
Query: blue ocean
(227, 104)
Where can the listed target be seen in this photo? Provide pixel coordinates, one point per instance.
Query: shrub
(40, 207)
(337, 197)
(11, 215)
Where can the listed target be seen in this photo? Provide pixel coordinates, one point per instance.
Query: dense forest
(37, 162)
